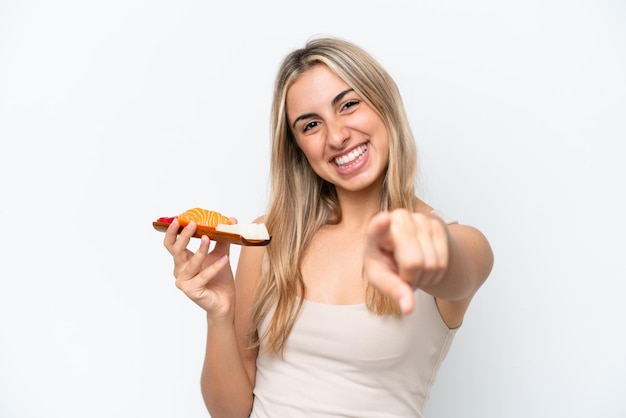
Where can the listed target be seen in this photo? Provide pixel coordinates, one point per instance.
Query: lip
(346, 152)
(356, 165)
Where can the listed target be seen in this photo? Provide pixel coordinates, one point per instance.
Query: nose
(338, 134)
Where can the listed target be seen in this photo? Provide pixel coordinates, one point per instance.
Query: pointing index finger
(378, 231)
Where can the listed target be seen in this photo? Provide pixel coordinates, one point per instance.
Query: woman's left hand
(405, 251)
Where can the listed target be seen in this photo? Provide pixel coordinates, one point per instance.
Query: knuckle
(442, 264)
(177, 271)
(416, 263)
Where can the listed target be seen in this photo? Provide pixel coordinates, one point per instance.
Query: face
(343, 138)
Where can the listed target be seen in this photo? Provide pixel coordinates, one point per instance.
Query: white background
(115, 113)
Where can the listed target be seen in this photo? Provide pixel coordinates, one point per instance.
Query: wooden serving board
(214, 235)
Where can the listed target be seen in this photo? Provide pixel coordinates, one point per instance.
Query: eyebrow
(333, 102)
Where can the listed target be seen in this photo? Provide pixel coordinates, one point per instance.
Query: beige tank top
(344, 361)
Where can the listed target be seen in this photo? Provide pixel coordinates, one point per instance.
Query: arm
(226, 388)
(207, 279)
(229, 368)
(470, 262)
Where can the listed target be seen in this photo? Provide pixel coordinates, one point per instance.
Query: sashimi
(203, 217)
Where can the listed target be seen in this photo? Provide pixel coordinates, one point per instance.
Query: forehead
(318, 85)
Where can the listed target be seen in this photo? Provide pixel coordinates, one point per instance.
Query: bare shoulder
(421, 206)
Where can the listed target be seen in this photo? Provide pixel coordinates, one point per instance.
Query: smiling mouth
(351, 158)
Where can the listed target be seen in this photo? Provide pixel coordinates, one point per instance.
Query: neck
(357, 208)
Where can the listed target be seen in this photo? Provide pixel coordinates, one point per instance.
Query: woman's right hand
(203, 276)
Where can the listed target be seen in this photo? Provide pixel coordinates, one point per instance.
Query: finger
(392, 286)
(421, 247)
(180, 245)
(193, 266)
(378, 232)
(200, 280)
(210, 272)
(221, 247)
(171, 234)
(408, 254)
(434, 243)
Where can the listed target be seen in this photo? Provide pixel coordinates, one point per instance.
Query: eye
(310, 125)
(350, 104)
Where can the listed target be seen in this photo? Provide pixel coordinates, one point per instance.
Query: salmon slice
(203, 217)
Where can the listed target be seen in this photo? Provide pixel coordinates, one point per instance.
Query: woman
(352, 307)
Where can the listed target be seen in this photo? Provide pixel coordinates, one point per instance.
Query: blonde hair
(301, 202)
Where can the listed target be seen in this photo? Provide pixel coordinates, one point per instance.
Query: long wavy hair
(301, 202)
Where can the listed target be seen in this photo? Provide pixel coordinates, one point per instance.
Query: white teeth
(346, 161)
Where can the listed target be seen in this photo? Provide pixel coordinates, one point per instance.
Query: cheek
(370, 122)
(300, 145)
(310, 148)
(306, 157)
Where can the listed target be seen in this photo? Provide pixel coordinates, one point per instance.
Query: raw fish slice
(203, 217)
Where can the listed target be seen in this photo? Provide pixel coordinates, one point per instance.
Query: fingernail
(402, 303)
(405, 304)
